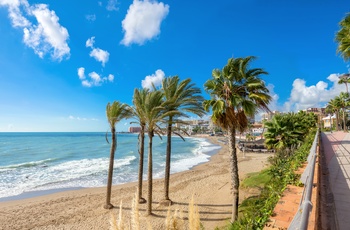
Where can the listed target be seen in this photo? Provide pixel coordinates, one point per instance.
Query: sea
(31, 163)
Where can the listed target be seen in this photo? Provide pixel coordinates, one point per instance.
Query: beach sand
(209, 183)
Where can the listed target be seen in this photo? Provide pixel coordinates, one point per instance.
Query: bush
(255, 211)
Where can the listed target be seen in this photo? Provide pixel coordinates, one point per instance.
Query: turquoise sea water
(44, 161)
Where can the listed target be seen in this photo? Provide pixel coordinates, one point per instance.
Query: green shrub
(255, 211)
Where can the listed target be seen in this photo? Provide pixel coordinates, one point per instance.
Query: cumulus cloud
(110, 77)
(90, 42)
(90, 17)
(81, 73)
(303, 96)
(155, 79)
(100, 55)
(47, 36)
(97, 53)
(93, 78)
(15, 14)
(112, 5)
(142, 21)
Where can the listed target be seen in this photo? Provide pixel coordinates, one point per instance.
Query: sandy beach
(209, 183)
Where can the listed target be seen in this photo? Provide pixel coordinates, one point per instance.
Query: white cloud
(112, 5)
(86, 83)
(70, 117)
(303, 97)
(110, 77)
(93, 78)
(81, 73)
(90, 17)
(100, 55)
(142, 21)
(155, 79)
(90, 42)
(47, 36)
(14, 9)
(97, 53)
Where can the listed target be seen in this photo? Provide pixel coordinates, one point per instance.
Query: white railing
(301, 218)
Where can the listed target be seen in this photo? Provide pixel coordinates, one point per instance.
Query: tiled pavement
(337, 151)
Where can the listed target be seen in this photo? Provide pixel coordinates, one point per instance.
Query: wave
(76, 173)
(42, 163)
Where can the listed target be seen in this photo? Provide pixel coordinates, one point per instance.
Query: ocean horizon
(35, 162)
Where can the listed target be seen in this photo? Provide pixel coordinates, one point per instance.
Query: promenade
(336, 147)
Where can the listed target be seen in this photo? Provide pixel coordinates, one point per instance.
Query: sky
(61, 62)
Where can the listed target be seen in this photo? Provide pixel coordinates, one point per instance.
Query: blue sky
(62, 61)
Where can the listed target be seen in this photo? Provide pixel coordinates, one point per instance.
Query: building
(329, 121)
(268, 116)
(317, 111)
(134, 129)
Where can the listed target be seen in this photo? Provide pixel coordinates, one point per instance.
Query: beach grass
(256, 179)
(173, 221)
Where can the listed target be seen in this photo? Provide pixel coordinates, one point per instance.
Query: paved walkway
(337, 152)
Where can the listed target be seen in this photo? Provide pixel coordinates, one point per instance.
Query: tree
(344, 79)
(139, 101)
(343, 102)
(286, 131)
(237, 92)
(153, 114)
(115, 112)
(333, 107)
(342, 37)
(180, 97)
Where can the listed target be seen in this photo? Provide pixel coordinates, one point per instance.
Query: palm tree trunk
(167, 163)
(344, 120)
(337, 119)
(231, 133)
(142, 150)
(150, 175)
(108, 204)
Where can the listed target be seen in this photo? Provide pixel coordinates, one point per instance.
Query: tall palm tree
(153, 114)
(333, 107)
(344, 79)
(236, 93)
(180, 97)
(342, 37)
(139, 101)
(115, 112)
(343, 101)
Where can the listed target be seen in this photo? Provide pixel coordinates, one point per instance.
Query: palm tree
(333, 107)
(344, 79)
(287, 130)
(236, 93)
(343, 38)
(343, 102)
(180, 97)
(139, 100)
(115, 112)
(153, 114)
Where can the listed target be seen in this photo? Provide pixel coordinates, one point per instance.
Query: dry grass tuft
(193, 216)
(135, 213)
(173, 221)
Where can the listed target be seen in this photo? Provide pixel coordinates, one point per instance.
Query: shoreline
(209, 184)
(38, 193)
